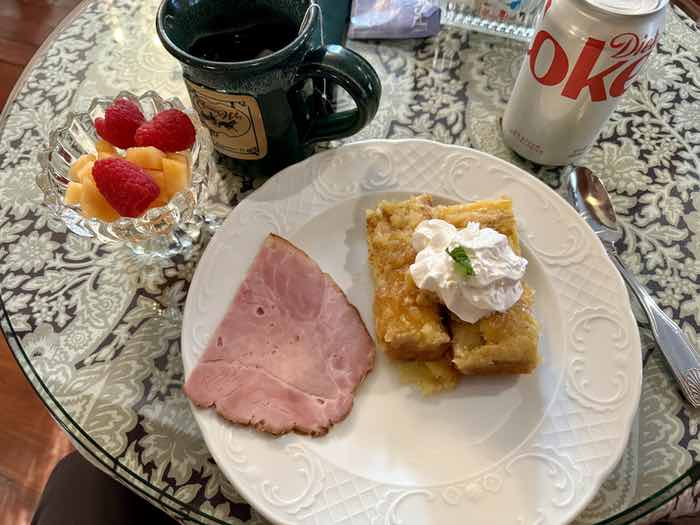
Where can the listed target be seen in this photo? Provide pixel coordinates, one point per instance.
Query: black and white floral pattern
(97, 330)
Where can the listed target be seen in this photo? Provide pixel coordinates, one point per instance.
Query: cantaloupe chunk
(79, 164)
(93, 204)
(177, 176)
(102, 155)
(159, 178)
(147, 157)
(73, 193)
(102, 146)
(85, 171)
(180, 157)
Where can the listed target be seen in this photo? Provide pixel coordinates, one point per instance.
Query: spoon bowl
(592, 201)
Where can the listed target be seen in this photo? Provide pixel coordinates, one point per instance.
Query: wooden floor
(24, 25)
(30, 442)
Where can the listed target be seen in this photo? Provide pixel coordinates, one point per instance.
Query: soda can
(582, 59)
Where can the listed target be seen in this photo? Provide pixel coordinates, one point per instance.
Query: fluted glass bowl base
(161, 231)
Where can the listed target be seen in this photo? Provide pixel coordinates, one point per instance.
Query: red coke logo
(629, 49)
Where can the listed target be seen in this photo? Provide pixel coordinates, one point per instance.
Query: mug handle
(355, 75)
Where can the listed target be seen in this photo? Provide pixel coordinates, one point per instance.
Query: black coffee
(250, 35)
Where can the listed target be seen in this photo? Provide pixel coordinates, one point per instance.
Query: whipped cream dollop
(495, 285)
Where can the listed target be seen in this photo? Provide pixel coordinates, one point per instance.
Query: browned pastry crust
(501, 343)
(409, 323)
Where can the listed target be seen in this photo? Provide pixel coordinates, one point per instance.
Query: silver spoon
(592, 201)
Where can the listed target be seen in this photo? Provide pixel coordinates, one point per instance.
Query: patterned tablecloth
(97, 331)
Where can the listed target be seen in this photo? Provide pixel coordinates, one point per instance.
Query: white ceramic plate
(504, 450)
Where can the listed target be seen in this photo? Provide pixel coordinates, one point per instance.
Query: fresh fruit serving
(138, 164)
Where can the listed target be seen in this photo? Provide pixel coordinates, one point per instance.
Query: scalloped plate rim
(201, 414)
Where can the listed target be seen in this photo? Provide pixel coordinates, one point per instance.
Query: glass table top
(96, 330)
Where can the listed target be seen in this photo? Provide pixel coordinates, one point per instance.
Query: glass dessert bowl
(162, 230)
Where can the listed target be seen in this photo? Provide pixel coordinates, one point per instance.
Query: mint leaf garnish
(461, 259)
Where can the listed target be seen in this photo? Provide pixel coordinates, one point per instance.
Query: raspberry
(127, 187)
(170, 130)
(122, 119)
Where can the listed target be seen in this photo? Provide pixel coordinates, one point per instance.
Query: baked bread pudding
(408, 322)
(428, 325)
(501, 343)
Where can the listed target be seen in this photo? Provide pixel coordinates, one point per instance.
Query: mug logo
(231, 122)
(235, 121)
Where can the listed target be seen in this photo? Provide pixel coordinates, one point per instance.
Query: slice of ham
(290, 350)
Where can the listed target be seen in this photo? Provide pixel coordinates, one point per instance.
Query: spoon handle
(675, 345)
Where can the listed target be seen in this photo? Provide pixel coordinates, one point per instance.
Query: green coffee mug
(264, 112)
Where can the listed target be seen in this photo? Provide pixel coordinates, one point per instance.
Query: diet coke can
(584, 55)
